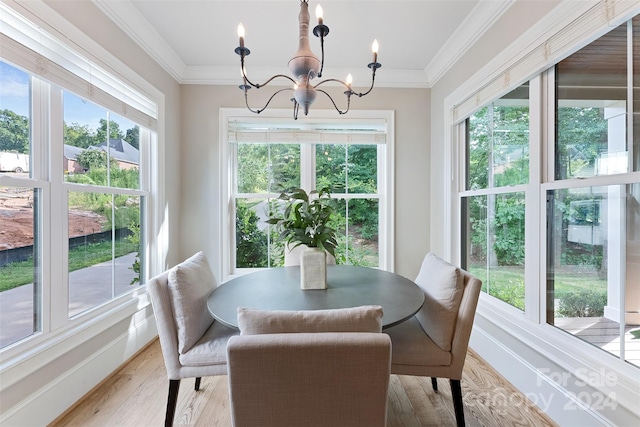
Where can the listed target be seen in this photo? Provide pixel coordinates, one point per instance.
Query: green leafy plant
(92, 158)
(134, 238)
(584, 303)
(305, 220)
(251, 243)
(508, 290)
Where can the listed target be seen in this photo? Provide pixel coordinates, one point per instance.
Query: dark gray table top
(347, 286)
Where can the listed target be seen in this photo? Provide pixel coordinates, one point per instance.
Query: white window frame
(522, 344)
(530, 190)
(385, 186)
(18, 39)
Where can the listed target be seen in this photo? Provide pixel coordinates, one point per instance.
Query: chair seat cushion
(190, 284)
(410, 345)
(211, 349)
(366, 318)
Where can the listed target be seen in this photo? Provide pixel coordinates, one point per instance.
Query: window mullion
(59, 231)
(42, 223)
(534, 224)
(308, 166)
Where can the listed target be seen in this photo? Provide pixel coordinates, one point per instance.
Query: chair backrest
(443, 287)
(309, 379)
(179, 299)
(464, 323)
(158, 288)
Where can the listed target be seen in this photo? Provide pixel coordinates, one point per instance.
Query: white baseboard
(552, 373)
(52, 398)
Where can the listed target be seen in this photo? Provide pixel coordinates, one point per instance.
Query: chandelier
(304, 67)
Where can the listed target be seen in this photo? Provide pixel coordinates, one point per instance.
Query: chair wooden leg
(434, 384)
(198, 383)
(174, 386)
(456, 393)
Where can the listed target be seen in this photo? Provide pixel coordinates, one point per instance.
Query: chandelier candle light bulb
(241, 34)
(374, 49)
(304, 66)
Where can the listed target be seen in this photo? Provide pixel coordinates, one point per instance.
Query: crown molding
(131, 21)
(481, 18)
(136, 26)
(217, 75)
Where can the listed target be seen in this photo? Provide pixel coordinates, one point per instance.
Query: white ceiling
(194, 40)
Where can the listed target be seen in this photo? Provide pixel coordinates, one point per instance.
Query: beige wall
(200, 180)
(191, 140)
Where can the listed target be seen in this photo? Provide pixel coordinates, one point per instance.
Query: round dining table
(347, 286)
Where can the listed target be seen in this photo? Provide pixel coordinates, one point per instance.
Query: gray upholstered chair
(312, 368)
(434, 342)
(193, 344)
(309, 379)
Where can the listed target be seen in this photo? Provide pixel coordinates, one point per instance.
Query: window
(261, 169)
(21, 209)
(586, 239)
(350, 157)
(101, 155)
(497, 147)
(74, 187)
(591, 243)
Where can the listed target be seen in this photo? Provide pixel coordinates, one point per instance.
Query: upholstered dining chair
(309, 379)
(434, 342)
(313, 368)
(193, 344)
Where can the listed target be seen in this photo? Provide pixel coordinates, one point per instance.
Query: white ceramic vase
(313, 269)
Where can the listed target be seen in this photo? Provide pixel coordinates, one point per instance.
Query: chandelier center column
(304, 65)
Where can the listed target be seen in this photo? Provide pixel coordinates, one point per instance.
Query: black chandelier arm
(322, 60)
(246, 99)
(348, 93)
(243, 51)
(296, 107)
(374, 66)
(259, 85)
(320, 32)
(333, 80)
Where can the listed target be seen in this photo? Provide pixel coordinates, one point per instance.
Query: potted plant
(305, 221)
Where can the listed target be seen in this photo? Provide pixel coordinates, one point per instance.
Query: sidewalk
(88, 288)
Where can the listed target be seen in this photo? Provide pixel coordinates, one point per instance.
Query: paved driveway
(88, 288)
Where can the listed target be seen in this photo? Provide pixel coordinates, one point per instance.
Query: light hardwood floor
(136, 396)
